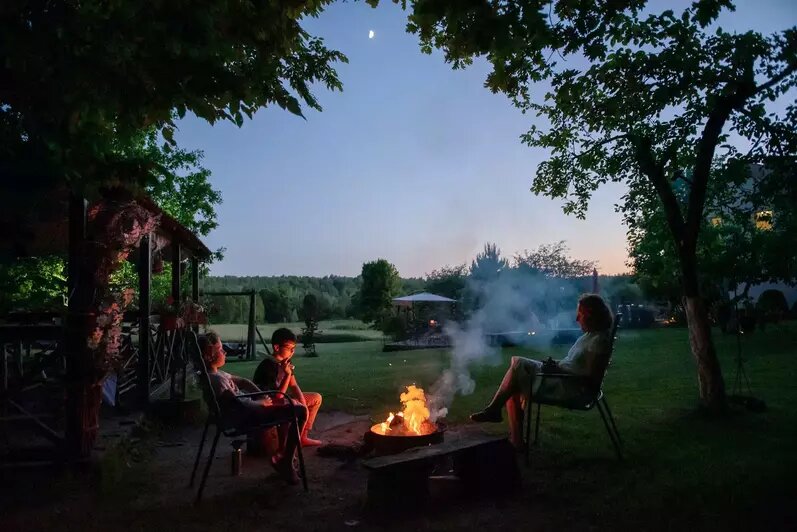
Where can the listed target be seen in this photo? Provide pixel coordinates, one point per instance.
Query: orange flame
(413, 418)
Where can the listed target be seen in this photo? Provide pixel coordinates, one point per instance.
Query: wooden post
(250, 337)
(3, 378)
(174, 345)
(79, 287)
(195, 286)
(144, 303)
(195, 279)
(176, 250)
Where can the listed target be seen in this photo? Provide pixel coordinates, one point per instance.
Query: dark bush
(337, 338)
(396, 327)
(636, 317)
(722, 313)
(747, 322)
(772, 305)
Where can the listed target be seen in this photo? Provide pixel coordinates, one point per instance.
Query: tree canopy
(448, 281)
(78, 78)
(747, 237)
(553, 260)
(636, 97)
(488, 263)
(380, 284)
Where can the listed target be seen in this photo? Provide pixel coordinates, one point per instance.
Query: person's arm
(226, 395)
(289, 378)
(245, 385)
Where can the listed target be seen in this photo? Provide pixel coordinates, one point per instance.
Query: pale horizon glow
(413, 162)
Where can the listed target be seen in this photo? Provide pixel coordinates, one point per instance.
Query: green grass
(681, 465)
(354, 329)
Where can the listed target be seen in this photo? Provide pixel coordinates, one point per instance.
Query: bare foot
(310, 442)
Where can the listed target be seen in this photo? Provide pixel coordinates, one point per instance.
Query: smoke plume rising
(513, 303)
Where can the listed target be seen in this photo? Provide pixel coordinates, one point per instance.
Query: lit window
(763, 220)
(716, 221)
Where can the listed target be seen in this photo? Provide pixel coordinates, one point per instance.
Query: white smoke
(508, 307)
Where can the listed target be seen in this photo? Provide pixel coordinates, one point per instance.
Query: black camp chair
(223, 426)
(591, 394)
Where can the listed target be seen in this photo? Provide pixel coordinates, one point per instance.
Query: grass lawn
(736, 471)
(358, 330)
(683, 470)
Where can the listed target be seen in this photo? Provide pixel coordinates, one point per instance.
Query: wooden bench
(480, 462)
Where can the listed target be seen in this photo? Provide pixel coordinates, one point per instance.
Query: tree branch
(655, 174)
(706, 147)
(777, 79)
(766, 126)
(599, 144)
(745, 89)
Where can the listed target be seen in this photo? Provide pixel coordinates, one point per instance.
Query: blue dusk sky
(413, 162)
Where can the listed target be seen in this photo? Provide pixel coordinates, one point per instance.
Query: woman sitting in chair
(245, 411)
(595, 319)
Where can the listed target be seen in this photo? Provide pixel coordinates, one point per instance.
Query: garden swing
(246, 350)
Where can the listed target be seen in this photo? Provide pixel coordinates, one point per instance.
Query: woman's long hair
(597, 316)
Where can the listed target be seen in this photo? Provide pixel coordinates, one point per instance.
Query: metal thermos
(237, 456)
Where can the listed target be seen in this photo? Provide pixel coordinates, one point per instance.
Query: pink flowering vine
(115, 230)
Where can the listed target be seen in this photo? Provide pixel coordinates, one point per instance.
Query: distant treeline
(280, 298)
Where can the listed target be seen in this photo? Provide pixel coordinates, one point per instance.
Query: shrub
(396, 327)
(772, 304)
(336, 338)
(636, 317)
(351, 326)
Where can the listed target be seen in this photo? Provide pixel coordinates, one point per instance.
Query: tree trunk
(709, 374)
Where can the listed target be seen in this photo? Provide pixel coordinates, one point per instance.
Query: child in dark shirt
(276, 373)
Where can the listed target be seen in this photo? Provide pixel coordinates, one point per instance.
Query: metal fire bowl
(385, 444)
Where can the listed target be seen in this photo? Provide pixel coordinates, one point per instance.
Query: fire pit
(406, 429)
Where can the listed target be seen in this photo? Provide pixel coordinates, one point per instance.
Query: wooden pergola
(58, 226)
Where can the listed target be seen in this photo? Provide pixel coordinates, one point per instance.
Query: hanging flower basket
(169, 314)
(193, 313)
(169, 322)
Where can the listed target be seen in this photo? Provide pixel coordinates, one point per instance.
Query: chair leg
(207, 467)
(301, 455)
(609, 430)
(611, 418)
(537, 426)
(199, 452)
(527, 430)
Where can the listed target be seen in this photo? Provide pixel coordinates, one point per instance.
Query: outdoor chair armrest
(263, 393)
(562, 375)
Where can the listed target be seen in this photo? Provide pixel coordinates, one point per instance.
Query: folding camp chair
(225, 426)
(590, 394)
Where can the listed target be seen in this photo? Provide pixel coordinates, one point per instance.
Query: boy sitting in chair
(245, 411)
(276, 373)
